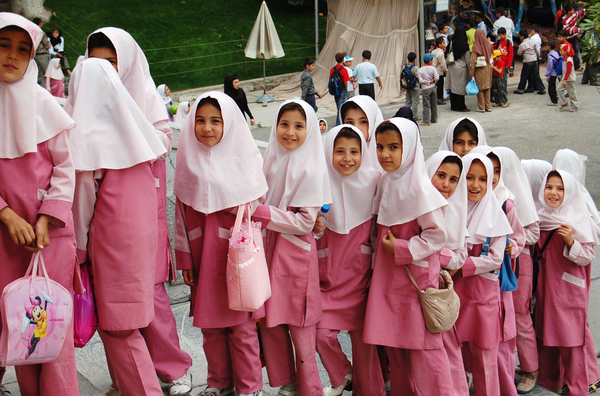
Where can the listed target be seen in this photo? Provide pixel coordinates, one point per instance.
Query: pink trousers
(574, 362)
(593, 371)
(170, 361)
(282, 369)
(506, 367)
(366, 370)
(420, 372)
(130, 363)
(457, 367)
(526, 343)
(233, 356)
(483, 363)
(49, 379)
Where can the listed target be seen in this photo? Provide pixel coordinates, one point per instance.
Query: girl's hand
(41, 232)
(318, 228)
(388, 242)
(564, 83)
(188, 277)
(566, 232)
(19, 230)
(508, 249)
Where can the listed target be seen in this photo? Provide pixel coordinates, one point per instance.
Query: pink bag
(248, 285)
(36, 315)
(85, 318)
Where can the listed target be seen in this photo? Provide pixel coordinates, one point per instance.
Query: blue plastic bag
(506, 276)
(472, 87)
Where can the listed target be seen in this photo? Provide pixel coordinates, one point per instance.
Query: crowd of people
(98, 175)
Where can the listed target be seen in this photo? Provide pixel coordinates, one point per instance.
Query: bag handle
(539, 256)
(242, 209)
(37, 262)
(410, 275)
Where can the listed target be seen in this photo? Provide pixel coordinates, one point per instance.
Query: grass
(191, 43)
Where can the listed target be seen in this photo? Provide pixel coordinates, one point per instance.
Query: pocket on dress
(291, 257)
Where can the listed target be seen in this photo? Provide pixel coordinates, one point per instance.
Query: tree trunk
(30, 9)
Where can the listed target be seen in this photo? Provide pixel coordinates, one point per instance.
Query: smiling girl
(463, 135)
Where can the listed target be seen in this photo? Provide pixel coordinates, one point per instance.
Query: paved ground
(529, 126)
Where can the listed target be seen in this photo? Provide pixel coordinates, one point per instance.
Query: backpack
(559, 65)
(407, 78)
(336, 82)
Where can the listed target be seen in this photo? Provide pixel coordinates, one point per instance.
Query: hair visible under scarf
(460, 45)
(448, 142)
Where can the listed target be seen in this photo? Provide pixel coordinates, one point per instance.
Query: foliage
(591, 34)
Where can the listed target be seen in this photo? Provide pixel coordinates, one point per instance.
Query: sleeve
(496, 27)
(83, 209)
(165, 134)
(569, 69)
(375, 71)
(580, 253)
(344, 74)
(61, 46)
(51, 49)
(304, 85)
(443, 63)
(287, 222)
(551, 66)
(48, 84)
(511, 53)
(521, 49)
(245, 108)
(532, 233)
(431, 240)
(183, 253)
(475, 265)
(3, 203)
(58, 200)
(421, 76)
(453, 259)
(517, 238)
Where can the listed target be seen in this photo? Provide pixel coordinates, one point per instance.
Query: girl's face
(107, 54)
(497, 172)
(464, 143)
(389, 150)
(346, 155)
(446, 179)
(55, 33)
(554, 192)
(359, 119)
(209, 125)
(15, 53)
(322, 126)
(291, 129)
(167, 90)
(236, 84)
(476, 181)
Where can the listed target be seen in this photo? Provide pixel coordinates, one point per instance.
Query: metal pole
(421, 28)
(264, 76)
(317, 27)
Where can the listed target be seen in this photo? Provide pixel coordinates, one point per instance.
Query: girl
(165, 94)
(481, 69)
(536, 171)
(55, 78)
(345, 265)
(127, 58)
(446, 171)
(232, 88)
(57, 48)
(476, 284)
(323, 128)
(296, 172)
(463, 135)
(458, 72)
(115, 216)
(34, 156)
(362, 112)
(182, 112)
(411, 234)
(211, 181)
(564, 286)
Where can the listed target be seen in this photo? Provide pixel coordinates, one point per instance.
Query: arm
(532, 233)
(246, 109)
(165, 134)
(83, 209)
(287, 222)
(580, 254)
(48, 84)
(304, 86)
(521, 48)
(475, 265)
(431, 239)
(568, 72)
(511, 53)
(453, 259)
(551, 66)
(517, 238)
(183, 253)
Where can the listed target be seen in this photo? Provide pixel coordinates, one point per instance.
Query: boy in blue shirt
(366, 74)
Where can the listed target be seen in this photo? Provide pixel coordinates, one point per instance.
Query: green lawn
(191, 43)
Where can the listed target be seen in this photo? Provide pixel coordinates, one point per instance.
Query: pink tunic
(522, 296)
(56, 87)
(164, 256)
(394, 317)
(563, 292)
(118, 207)
(344, 272)
(202, 244)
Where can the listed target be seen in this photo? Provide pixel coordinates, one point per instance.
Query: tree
(591, 35)
(30, 9)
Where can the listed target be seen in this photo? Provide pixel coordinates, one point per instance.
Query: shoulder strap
(546, 242)
(486, 246)
(412, 279)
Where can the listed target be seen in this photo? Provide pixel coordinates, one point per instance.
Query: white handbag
(481, 62)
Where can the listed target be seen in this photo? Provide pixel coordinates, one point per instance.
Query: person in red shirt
(499, 79)
(507, 53)
(341, 98)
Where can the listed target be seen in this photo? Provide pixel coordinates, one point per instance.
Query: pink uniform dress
(115, 215)
(55, 79)
(298, 187)
(410, 207)
(563, 292)
(345, 270)
(479, 322)
(210, 184)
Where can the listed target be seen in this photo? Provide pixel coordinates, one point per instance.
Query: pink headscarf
(482, 46)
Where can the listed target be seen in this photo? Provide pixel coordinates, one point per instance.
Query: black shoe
(529, 91)
(541, 92)
(584, 82)
(518, 92)
(595, 84)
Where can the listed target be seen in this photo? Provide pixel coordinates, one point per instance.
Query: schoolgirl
(344, 253)
(445, 169)
(296, 172)
(410, 237)
(182, 112)
(564, 285)
(165, 94)
(323, 128)
(463, 135)
(55, 78)
(116, 223)
(476, 284)
(536, 171)
(125, 55)
(34, 157)
(219, 168)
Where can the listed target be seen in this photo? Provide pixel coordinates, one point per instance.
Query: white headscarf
(456, 211)
(406, 193)
(29, 115)
(516, 181)
(448, 142)
(352, 194)
(569, 212)
(226, 175)
(111, 132)
(323, 135)
(375, 117)
(162, 91)
(134, 72)
(54, 71)
(485, 217)
(297, 178)
(536, 170)
(502, 192)
(182, 112)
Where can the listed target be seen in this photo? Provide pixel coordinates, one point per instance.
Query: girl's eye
(469, 177)
(355, 152)
(454, 180)
(379, 147)
(393, 147)
(441, 175)
(364, 122)
(350, 122)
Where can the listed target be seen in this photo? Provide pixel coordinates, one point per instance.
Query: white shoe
(338, 390)
(182, 385)
(4, 391)
(112, 391)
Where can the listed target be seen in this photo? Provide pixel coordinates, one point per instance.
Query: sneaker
(518, 92)
(497, 104)
(216, 392)
(480, 110)
(288, 390)
(564, 107)
(182, 385)
(573, 109)
(552, 104)
(338, 390)
(595, 84)
(506, 104)
(488, 110)
(527, 382)
(112, 391)
(6, 392)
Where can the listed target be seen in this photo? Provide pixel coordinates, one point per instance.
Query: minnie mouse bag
(36, 316)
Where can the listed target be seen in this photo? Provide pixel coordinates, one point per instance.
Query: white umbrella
(264, 43)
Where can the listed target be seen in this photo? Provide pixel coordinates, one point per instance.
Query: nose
(347, 157)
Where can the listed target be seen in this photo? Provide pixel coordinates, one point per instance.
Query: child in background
(345, 265)
(296, 172)
(165, 94)
(507, 55)
(428, 76)
(309, 92)
(210, 187)
(55, 78)
(323, 128)
(35, 156)
(470, 31)
(551, 75)
(462, 136)
(413, 94)
(498, 70)
(350, 86)
(182, 112)
(439, 62)
(476, 284)
(566, 85)
(409, 235)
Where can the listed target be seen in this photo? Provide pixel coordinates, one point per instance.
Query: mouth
(289, 140)
(347, 166)
(10, 67)
(474, 192)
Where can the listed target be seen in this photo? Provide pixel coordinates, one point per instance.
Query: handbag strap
(410, 275)
(243, 209)
(37, 264)
(546, 242)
